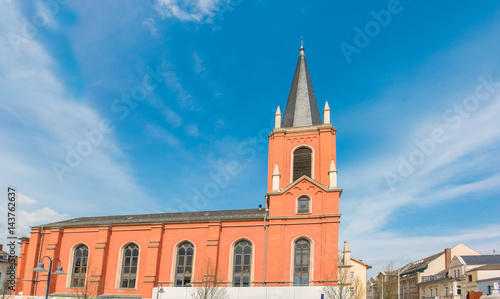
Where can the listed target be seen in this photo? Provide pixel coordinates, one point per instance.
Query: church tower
(302, 196)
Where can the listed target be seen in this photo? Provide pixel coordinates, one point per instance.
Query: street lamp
(40, 268)
(159, 290)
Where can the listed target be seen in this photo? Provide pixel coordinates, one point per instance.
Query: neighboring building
(359, 271)
(291, 243)
(440, 285)
(470, 280)
(371, 288)
(412, 273)
(387, 284)
(489, 286)
(459, 281)
(5, 264)
(355, 274)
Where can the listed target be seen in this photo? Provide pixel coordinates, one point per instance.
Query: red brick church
(291, 243)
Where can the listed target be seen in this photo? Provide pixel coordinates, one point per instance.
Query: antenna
(302, 42)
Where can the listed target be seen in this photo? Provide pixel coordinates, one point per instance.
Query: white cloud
(150, 25)
(25, 200)
(185, 99)
(162, 135)
(198, 11)
(27, 219)
(192, 130)
(172, 117)
(198, 63)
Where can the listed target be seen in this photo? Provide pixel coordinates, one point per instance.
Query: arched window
(79, 271)
(129, 266)
(302, 163)
(184, 264)
(242, 264)
(301, 263)
(303, 204)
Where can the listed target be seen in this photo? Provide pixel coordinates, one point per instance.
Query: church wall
(159, 267)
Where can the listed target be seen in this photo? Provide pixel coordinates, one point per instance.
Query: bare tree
(91, 288)
(211, 285)
(388, 282)
(358, 288)
(347, 287)
(10, 290)
(341, 289)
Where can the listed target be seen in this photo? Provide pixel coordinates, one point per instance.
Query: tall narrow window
(301, 264)
(129, 266)
(242, 263)
(302, 161)
(79, 271)
(303, 204)
(184, 264)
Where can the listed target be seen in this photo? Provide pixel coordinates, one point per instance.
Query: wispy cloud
(198, 63)
(192, 130)
(162, 135)
(150, 25)
(198, 11)
(185, 99)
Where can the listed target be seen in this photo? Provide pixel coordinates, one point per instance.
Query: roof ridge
(157, 217)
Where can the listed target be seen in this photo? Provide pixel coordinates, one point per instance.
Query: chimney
(447, 257)
(1, 247)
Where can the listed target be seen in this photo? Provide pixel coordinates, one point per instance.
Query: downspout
(265, 244)
(39, 261)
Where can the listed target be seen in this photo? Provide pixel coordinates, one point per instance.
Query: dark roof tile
(162, 217)
(481, 259)
(301, 107)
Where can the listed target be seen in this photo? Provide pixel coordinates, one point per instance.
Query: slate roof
(301, 107)
(419, 266)
(247, 214)
(481, 259)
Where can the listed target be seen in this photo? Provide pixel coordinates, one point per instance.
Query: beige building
(460, 280)
(352, 273)
(435, 265)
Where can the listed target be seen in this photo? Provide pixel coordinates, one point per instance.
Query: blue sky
(190, 88)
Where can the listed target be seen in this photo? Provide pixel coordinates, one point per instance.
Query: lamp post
(40, 268)
(159, 290)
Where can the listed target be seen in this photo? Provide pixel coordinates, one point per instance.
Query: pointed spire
(301, 108)
(277, 118)
(276, 170)
(332, 166)
(326, 114)
(276, 178)
(332, 174)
